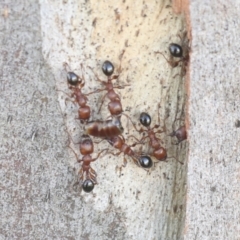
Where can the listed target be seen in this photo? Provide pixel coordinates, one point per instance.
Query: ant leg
(178, 74)
(168, 61)
(158, 125)
(138, 141)
(92, 176)
(124, 162)
(96, 76)
(181, 131)
(69, 136)
(176, 159)
(81, 174)
(115, 154)
(92, 173)
(93, 179)
(102, 102)
(133, 124)
(113, 77)
(65, 66)
(120, 66)
(135, 158)
(122, 86)
(119, 70)
(67, 99)
(83, 78)
(180, 37)
(72, 148)
(96, 91)
(78, 160)
(97, 142)
(94, 159)
(58, 90)
(128, 118)
(160, 131)
(171, 62)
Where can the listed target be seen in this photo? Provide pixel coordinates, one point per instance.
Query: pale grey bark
(213, 169)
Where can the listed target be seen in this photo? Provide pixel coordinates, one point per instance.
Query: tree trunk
(213, 167)
(39, 195)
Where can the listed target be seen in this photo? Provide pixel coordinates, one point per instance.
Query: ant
(86, 149)
(114, 106)
(180, 134)
(113, 127)
(176, 51)
(105, 129)
(76, 85)
(119, 143)
(159, 152)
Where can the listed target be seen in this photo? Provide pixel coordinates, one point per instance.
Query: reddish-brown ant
(114, 106)
(76, 84)
(176, 51)
(113, 127)
(87, 172)
(158, 151)
(104, 129)
(119, 143)
(181, 132)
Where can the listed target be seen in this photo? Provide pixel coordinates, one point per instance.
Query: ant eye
(175, 50)
(88, 185)
(107, 68)
(145, 161)
(145, 119)
(72, 78)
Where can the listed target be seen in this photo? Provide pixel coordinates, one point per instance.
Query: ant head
(145, 119)
(73, 78)
(88, 185)
(145, 161)
(175, 50)
(108, 68)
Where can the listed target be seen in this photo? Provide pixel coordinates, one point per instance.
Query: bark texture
(213, 168)
(39, 198)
